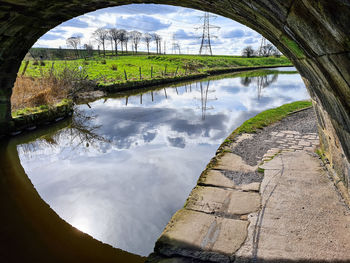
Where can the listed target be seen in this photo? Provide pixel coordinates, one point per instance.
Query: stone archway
(313, 34)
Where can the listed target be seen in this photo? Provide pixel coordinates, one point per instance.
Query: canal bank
(261, 193)
(119, 158)
(148, 83)
(28, 119)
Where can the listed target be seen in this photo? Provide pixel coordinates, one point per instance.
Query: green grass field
(111, 69)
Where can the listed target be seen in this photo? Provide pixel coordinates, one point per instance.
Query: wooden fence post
(176, 71)
(140, 73)
(52, 67)
(126, 77)
(25, 67)
(152, 72)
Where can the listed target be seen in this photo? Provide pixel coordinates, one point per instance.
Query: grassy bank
(140, 85)
(118, 69)
(271, 116)
(267, 118)
(261, 120)
(31, 118)
(47, 82)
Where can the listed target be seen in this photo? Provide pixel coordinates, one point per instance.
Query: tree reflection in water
(79, 132)
(261, 82)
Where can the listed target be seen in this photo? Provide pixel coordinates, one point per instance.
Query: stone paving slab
(202, 236)
(218, 179)
(227, 203)
(303, 217)
(233, 162)
(297, 164)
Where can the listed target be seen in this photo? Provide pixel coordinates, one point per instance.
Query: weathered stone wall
(314, 34)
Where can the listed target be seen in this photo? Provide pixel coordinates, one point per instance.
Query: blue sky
(164, 20)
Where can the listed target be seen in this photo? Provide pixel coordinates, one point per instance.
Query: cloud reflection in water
(124, 182)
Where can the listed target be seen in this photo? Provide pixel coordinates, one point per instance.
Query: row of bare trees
(267, 50)
(117, 38)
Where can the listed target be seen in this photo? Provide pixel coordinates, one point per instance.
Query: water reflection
(81, 132)
(126, 164)
(30, 230)
(261, 82)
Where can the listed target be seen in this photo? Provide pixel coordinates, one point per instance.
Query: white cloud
(161, 19)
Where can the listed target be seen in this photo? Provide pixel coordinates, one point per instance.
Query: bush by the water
(50, 87)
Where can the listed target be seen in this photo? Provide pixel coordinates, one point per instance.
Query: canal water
(123, 166)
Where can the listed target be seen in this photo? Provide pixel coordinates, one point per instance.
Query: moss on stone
(293, 47)
(261, 170)
(43, 114)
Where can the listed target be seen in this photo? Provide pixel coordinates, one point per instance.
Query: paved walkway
(302, 218)
(289, 213)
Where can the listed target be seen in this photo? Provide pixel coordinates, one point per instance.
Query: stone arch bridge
(313, 34)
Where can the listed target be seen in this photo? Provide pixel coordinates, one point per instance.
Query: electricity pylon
(206, 36)
(262, 46)
(176, 46)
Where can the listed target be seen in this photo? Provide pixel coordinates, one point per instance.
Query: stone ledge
(31, 121)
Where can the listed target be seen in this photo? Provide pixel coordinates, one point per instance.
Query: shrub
(36, 63)
(114, 67)
(86, 62)
(42, 63)
(103, 61)
(50, 88)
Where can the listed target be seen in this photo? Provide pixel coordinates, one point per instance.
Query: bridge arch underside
(313, 34)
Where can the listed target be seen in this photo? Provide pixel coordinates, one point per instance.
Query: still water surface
(127, 164)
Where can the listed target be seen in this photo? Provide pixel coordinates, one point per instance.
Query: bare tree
(248, 52)
(160, 45)
(114, 35)
(122, 38)
(136, 38)
(89, 49)
(268, 50)
(101, 35)
(158, 40)
(177, 48)
(109, 37)
(74, 42)
(147, 38)
(127, 37)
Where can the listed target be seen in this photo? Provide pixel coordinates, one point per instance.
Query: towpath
(268, 198)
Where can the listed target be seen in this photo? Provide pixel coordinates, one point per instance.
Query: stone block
(215, 178)
(222, 202)
(233, 162)
(202, 236)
